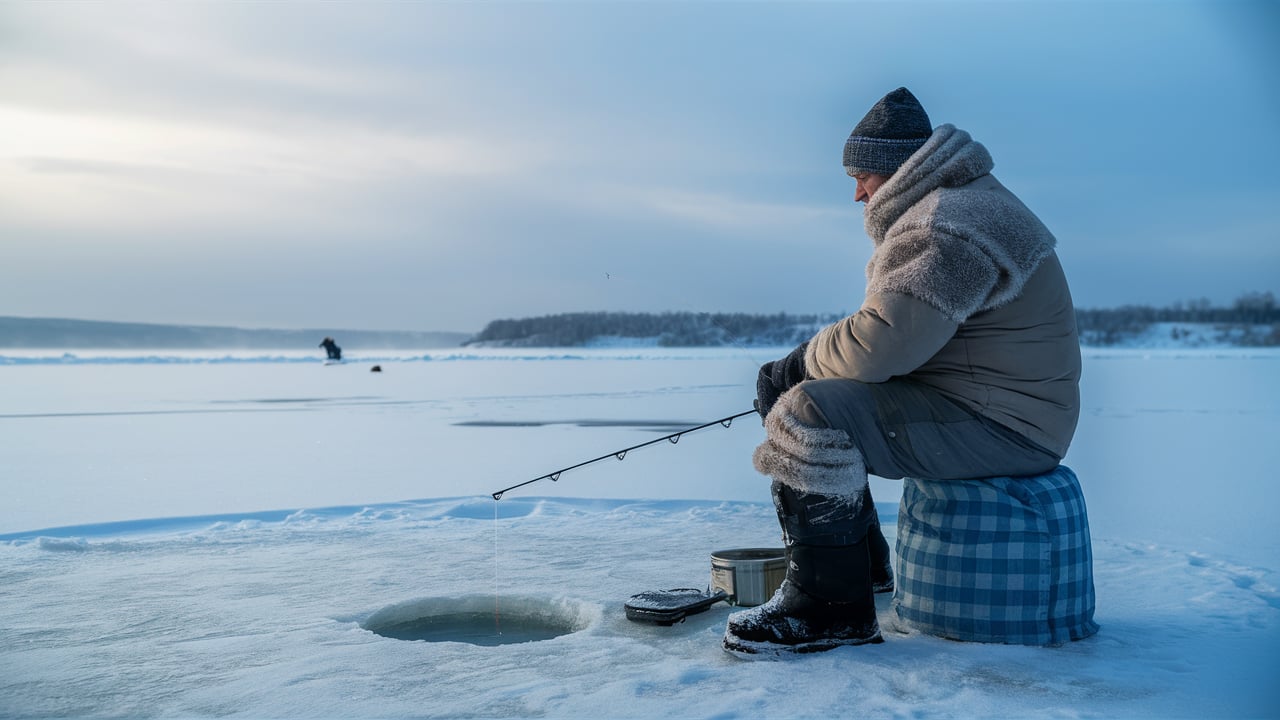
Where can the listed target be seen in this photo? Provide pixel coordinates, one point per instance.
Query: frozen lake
(1175, 446)
(211, 434)
(205, 534)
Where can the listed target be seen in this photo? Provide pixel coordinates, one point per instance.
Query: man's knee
(834, 402)
(801, 406)
(853, 408)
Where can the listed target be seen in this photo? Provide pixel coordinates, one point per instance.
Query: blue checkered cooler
(1002, 560)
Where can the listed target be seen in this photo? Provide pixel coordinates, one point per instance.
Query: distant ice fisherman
(331, 348)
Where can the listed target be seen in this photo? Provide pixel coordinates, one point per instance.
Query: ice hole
(478, 620)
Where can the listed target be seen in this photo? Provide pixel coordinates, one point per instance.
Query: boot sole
(756, 650)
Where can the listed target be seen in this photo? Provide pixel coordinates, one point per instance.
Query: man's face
(868, 184)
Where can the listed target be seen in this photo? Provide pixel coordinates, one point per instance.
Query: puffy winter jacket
(964, 294)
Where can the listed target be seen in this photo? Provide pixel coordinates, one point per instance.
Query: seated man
(963, 362)
(331, 349)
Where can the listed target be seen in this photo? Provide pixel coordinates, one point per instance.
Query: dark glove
(778, 377)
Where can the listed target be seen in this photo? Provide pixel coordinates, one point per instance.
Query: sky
(435, 166)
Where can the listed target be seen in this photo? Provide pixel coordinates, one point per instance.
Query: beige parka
(964, 294)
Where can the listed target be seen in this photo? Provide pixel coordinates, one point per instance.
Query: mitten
(779, 376)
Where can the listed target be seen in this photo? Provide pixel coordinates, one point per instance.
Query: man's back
(1019, 363)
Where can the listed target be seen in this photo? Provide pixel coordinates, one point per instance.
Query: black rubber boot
(826, 600)
(881, 569)
(881, 565)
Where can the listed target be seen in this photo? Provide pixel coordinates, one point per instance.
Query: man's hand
(779, 376)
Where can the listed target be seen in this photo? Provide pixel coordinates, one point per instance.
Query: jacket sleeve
(892, 334)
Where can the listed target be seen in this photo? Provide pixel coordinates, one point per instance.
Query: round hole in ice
(478, 620)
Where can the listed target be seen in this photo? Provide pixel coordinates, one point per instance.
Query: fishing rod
(673, 438)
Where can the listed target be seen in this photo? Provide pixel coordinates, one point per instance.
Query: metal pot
(750, 576)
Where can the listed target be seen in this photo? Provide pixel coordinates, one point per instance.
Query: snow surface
(210, 534)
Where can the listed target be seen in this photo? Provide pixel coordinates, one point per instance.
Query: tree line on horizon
(671, 329)
(1253, 319)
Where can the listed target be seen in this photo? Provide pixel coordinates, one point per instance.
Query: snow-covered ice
(210, 534)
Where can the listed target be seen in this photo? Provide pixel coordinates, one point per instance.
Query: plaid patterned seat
(1001, 560)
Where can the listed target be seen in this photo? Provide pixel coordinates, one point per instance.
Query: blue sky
(433, 166)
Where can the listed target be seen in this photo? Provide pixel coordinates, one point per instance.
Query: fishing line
(497, 598)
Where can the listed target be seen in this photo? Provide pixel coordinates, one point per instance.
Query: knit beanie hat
(891, 131)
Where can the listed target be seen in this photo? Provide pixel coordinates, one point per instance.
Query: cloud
(71, 166)
(108, 165)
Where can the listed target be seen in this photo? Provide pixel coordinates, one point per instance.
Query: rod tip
(497, 496)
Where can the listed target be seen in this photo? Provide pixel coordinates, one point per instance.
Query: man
(331, 349)
(962, 362)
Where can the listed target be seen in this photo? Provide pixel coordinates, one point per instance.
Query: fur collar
(950, 158)
(948, 233)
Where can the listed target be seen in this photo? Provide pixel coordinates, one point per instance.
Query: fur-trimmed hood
(948, 233)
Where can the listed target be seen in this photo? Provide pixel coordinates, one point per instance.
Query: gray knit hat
(891, 131)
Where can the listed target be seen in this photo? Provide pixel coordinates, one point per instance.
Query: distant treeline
(1254, 319)
(17, 332)
(670, 329)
